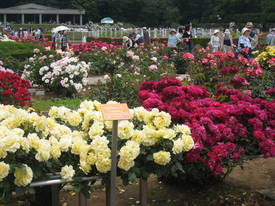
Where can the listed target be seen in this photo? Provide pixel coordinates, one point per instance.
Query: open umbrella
(60, 28)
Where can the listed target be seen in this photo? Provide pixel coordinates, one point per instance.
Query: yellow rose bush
(77, 143)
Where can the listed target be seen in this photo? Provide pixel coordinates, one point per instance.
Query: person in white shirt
(215, 41)
(245, 43)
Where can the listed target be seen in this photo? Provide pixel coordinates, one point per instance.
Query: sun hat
(125, 38)
(144, 28)
(227, 31)
(173, 30)
(245, 30)
(249, 24)
(216, 31)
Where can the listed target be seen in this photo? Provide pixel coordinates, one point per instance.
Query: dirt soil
(239, 189)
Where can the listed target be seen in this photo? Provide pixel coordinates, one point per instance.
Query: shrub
(13, 89)
(63, 75)
(222, 131)
(77, 143)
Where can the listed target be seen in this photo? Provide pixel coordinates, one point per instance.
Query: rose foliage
(224, 130)
(77, 143)
(13, 89)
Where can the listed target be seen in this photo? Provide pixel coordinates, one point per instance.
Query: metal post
(82, 201)
(55, 195)
(143, 191)
(40, 18)
(81, 21)
(23, 18)
(5, 19)
(111, 198)
(57, 18)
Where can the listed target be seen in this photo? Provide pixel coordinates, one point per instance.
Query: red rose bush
(223, 131)
(13, 89)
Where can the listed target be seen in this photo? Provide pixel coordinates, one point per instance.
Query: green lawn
(45, 105)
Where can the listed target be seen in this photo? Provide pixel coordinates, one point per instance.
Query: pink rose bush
(224, 130)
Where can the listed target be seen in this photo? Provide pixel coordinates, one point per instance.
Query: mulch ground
(239, 189)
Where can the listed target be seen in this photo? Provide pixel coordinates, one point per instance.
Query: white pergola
(40, 10)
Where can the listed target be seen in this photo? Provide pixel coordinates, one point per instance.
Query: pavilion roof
(38, 9)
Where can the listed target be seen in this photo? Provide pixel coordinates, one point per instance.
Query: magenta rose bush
(224, 128)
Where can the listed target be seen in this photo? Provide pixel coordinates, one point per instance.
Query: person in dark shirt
(187, 37)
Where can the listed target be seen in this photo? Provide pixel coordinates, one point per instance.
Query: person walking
(270, 39)
(253, 36)
(244, 43)
(64, 41)
(146, 37)
(173, 39)
(187, 37)
(227, 41)
(215, 41)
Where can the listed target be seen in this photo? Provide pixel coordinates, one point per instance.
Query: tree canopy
(166, 12)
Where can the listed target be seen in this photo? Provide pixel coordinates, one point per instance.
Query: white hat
(273, 29)
(144, 28)
(227, 31)
(216, 31)
(125, 38)
(173, 30)
(245, 30)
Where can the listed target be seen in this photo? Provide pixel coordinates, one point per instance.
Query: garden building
(35, 13)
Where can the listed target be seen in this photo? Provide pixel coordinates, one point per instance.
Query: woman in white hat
(244, 42)
(227, 41)
(215, 41)
(173, 39)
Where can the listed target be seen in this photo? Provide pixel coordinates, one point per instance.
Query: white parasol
(60, 28)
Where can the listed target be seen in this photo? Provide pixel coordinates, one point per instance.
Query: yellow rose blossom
(74, 119)
(125, 165)
(183, 129)
(97, 129)
(103, 165)
(188, 143)
(67, 172)
(162, 157)
(178, 146)
(167, 133)
(125, 129)
(138, 136)
(85, 167)
(23, 175)
(4, 170)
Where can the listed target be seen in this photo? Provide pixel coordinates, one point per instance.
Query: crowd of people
(21, 33)
(60, 40)
(136, 39)
(221, 41)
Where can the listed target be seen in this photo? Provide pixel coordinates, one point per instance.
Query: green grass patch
(45, 105)
(18, 50)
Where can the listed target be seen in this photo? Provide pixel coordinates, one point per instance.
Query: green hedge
(14, 54)
(18, 50)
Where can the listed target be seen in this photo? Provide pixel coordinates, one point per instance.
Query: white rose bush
(60, 73)
(77, 143)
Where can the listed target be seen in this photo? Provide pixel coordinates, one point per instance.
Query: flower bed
(222, 130)
(13, 89)
(77, 143)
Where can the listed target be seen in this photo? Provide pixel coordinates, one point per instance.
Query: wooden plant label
(115, 112)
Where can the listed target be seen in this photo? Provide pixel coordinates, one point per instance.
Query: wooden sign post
(114, 112)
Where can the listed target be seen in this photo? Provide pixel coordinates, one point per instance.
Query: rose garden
(195, 119)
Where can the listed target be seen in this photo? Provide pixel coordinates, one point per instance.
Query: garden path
(240, 188)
